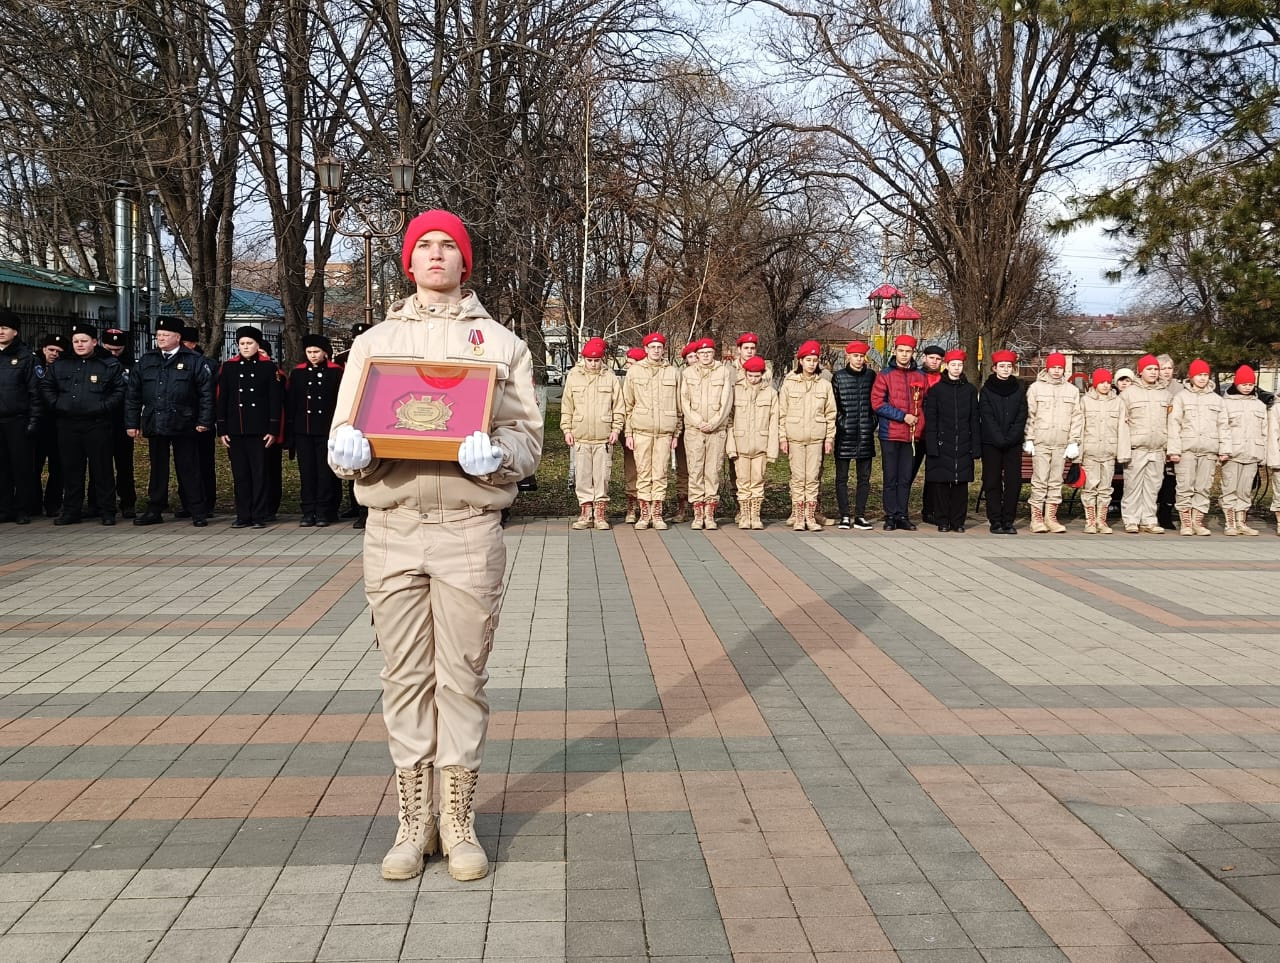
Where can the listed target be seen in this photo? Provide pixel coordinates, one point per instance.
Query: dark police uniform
(19, 421)
(84, 394)
(249, 406)
(207, 442)
(121, 443)
(46, 494)
(309, 404)
(167, 398)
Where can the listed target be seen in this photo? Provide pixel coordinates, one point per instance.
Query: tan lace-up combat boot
(417, 837)
(458, 824)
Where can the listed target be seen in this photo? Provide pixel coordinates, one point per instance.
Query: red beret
(653, 336)
(1056, 359)
(904, 341)
(1004, 355)
(808, 348)
(857, 347)
(594, 348)
(955, 354)
(747, 337)
(688, 349)
(1245, 375)
(706, 343)
(1199, 366)
(429, 221)
(754, 364)
(1148, 361)
(636, 354)
(1101, 375)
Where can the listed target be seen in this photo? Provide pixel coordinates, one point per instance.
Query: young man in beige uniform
(807, 431)
(1099, 438)
(1247, 420)
(706, 404)
(1199, 440)
(1144, 437)
(752, 441)
(1054, 423)
(682, 457)
(630, 477)
(433, 552)
(591, 417)
(651, 396)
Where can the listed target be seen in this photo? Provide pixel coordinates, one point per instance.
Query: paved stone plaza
(723, 746)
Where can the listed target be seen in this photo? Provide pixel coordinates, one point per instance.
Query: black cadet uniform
(168, 397)
(83, 394)
(354, 509)
(46, 495)
(206, 442)
(310, 400)
(19, 422)
(121, 443)
(249, 407)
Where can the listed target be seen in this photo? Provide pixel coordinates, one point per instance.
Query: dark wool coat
(1003, 411)
(855, 419)
(250, 397)
(952, 435)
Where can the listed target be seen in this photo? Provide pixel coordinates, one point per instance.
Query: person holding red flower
(898, 399)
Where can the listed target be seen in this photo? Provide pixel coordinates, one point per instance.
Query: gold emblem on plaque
(423, 413)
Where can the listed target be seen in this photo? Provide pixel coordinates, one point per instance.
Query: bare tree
(953, 117)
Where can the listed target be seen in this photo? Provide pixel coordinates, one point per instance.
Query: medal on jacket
(93, 379)
(476, 338)
(180, 366)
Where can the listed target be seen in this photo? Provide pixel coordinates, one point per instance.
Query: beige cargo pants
(592, 467)
(435, 590)
(705, 452)
(1143, 476)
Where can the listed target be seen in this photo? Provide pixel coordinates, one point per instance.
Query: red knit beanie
(1100, 376)
(1148, 361)
(1056, 360)
(1198, 367)
(436, 220)
(1246, 375)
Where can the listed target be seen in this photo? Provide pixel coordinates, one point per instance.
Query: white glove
(478, 455)
(1029, 447)
(349, 449)
(1072, 452)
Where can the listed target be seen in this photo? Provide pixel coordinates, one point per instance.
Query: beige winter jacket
(1145, 424)
(1247, 417)
(591, 408)
(651, 397)
(1273, 437)
(1100, 432)
(1054, 415)
(706, 395)
(755, 421)
(1198, 423)
(440, 490)
(806, 409)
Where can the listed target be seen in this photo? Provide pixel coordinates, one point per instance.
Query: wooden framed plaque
(422, 409)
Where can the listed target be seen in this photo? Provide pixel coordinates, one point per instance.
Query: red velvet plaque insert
(422, 409)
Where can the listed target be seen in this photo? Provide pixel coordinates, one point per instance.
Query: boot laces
(413, 824)
(462, 789)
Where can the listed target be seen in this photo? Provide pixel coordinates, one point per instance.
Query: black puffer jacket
(855, 418)
(18, 393)
(1002, 409)
(952, 435)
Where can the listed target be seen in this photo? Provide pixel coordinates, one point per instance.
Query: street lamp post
(373, 221)
(904, 312)
(885, 294)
